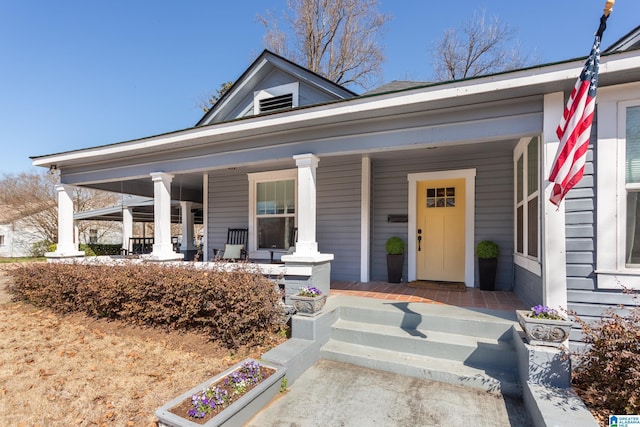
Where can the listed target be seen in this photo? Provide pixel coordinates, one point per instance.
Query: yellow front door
(440, 230)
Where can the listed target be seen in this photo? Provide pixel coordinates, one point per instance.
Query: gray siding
(338, 210)
(494, 198)
(338, 214)
(527, 286)
(583, 295)
(228, 205)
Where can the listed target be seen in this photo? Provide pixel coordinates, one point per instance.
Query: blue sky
(80, 73)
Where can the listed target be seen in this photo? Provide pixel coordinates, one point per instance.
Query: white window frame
(611, 269)
(260, 177)
(292, 88)
(523, 259)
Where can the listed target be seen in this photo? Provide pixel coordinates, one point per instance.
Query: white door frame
(469, 175)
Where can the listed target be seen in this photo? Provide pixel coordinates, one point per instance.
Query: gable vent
(276, 103)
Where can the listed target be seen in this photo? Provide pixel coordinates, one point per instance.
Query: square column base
(65, 254)
(318, 273)
(165, 256)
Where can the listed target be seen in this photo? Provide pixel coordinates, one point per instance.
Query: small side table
(276, 251)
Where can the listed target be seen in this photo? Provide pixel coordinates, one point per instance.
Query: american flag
(574, 130)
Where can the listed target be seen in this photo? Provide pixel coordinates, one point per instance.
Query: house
(443, 166)
(17, 235)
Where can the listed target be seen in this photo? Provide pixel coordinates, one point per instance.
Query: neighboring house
(16, 235)
(443, 166)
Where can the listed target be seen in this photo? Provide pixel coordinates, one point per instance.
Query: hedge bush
(236, 308)
(607, 375)
(105, 249)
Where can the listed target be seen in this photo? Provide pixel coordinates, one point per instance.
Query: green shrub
(86, 249)
(237, 307)
(39, 248)
(105, 249)
(394, 246)
(487, 249)
(607, 373)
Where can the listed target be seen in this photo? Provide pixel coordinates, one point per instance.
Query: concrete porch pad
(337, 394)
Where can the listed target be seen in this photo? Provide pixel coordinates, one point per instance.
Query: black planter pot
(487, 268)
(395, 263)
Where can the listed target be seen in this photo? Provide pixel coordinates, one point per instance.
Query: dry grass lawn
(75, 371)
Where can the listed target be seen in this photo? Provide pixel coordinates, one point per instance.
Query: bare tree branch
(338, 39)
(31, 198)
(484, 46)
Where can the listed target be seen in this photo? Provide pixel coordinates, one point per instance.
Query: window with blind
(273, 214)
(632, 185)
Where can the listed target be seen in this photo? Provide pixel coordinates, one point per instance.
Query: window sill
(618, 279)
(528, 264)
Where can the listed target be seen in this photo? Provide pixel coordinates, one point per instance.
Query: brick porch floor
(472, 297)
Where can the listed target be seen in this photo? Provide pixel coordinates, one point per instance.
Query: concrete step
(462, 321)
(480, 352)
(423, 367)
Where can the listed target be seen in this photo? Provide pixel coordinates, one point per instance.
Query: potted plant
(308, 301)
(487, 253)
(544, 326)
(395, 259)
(230, 398)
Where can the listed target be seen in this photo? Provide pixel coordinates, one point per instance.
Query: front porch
(470, 298)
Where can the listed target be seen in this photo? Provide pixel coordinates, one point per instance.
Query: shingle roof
(395, 85)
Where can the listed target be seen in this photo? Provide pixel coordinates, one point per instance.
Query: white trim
(205, 217)
(553, 231)
(365, 219)
(611, 270)
(532, 265)
(523, 259)
(469, 176)
(358, 106)
(255, 178)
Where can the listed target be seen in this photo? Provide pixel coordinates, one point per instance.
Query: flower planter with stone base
(308, 306)
(548, 332)
(237, 413)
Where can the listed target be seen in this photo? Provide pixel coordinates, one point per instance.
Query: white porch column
(187, 226)
(306, 256)
(307, 244)
(365, 219)
(66, 246)
(127, 227)
(162, 246)
(554, 267)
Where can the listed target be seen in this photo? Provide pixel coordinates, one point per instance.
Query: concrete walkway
(337, 394)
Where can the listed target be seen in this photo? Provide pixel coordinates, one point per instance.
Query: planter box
(308, 306)
(234, 415)
(547, 332)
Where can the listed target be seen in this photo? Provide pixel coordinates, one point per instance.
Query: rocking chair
(236, 246)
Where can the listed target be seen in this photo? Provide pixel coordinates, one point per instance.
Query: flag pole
(575, 125)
